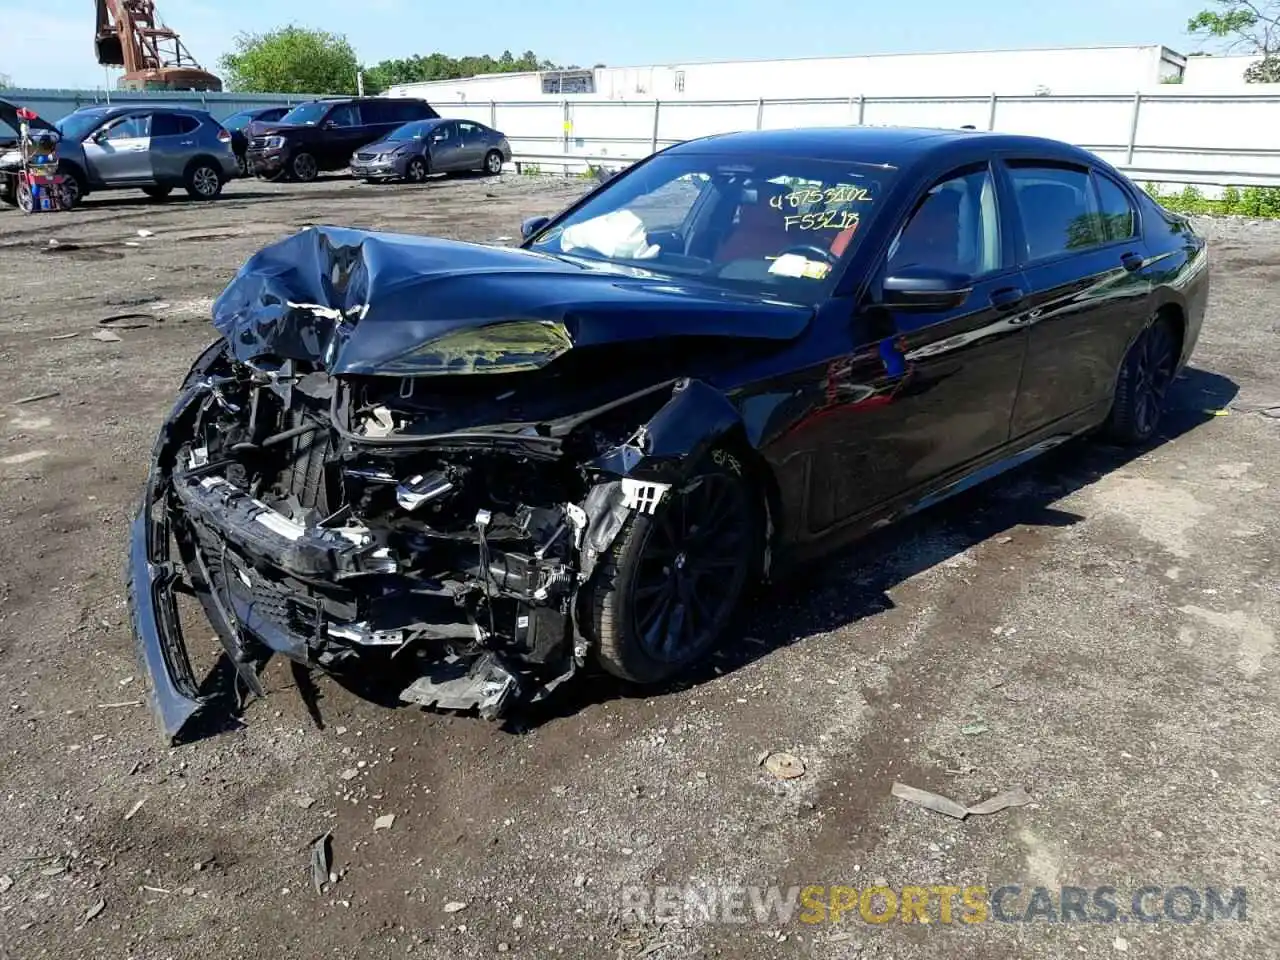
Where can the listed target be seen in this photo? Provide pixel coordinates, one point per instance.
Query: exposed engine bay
(323, 518)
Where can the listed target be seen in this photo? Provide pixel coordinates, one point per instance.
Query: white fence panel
(927, 113)
(689, 119)
(1100, 122)
(1228, 123)
(791, 113)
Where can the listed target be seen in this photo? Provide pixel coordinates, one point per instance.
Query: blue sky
(50, 42)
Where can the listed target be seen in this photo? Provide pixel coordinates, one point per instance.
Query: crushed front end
(314, 518)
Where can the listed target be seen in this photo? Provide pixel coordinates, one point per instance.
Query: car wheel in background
(75, 187)
(26, 202)
(203, 181)
(667, 588)
(242, 164)
(416, 170)
(157, 193)
(1143, 383)
(303, 167)
(493, 163)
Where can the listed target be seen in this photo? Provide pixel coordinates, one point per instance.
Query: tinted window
(238, 121)
(1117, 210)
(172, 124)
(131, 128)
(471, 131)
(416, 110)
(378, 111)
(955, 228)
(445, 133)
(347, 115)
(1057, 207)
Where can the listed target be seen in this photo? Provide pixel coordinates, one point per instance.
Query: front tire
(303, 167)
(663, 594)
(1143, 384)
(416, 170)
(203, 181)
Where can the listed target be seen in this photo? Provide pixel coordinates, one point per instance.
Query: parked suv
(153, 149)
(323, 134)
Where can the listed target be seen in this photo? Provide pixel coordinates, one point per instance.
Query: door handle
(1007, 298)
(1133, 261)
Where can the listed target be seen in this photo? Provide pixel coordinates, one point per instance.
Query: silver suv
(154, 149)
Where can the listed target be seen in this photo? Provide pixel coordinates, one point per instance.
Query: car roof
(892, 146)
(107, 111)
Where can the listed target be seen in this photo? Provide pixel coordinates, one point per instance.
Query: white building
(1079, 70)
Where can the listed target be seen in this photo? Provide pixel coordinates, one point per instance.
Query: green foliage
(1249, 202)
(292, 60)
(1266, 70)
(438, 66)
(530, 169)
(1249, 25)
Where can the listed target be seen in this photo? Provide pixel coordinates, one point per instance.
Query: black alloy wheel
(1144, 382)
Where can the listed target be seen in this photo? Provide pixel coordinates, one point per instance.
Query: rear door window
(172, 124)
(1119, 220)
(1057, 207)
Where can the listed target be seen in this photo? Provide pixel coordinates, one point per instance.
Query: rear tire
(157, 193)
(493, 163)
(1143, 383)
(662, 595)
(203, 181)
(25, 199)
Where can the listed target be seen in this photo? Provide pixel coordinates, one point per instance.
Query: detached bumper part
(483, 684)
(162, 651)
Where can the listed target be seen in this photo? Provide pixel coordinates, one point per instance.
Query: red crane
(130, 35)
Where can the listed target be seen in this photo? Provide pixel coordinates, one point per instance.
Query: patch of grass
(1249, 202)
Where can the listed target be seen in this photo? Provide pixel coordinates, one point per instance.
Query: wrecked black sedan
(494, 467)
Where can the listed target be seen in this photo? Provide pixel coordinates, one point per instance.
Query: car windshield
(411, 131)
(308, 113)
(773, 226)
(78, 125)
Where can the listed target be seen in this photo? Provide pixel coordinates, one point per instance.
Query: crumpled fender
(690, 424)
(659, 455)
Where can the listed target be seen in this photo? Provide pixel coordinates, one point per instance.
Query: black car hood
(356, 302)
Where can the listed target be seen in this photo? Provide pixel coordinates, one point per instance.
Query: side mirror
(532, 226)
(99, 136)
(919, 288)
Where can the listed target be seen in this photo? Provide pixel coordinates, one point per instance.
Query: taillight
(223, 135)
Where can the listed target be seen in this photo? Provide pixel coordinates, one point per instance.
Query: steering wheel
(811, 250)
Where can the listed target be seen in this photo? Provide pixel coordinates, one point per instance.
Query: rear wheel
(1143, 384)
(157, 193)
(242, 165)
(493, 163)
(26, 199)
(303, 167)
(203, 181)
(664, 593)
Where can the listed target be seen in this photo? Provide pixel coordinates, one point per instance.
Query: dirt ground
(1098, 627)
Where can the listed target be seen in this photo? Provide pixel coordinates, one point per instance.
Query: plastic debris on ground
(1017, 797)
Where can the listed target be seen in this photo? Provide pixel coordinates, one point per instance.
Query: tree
(438, 66)
(291, 60)
(1249, 25)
